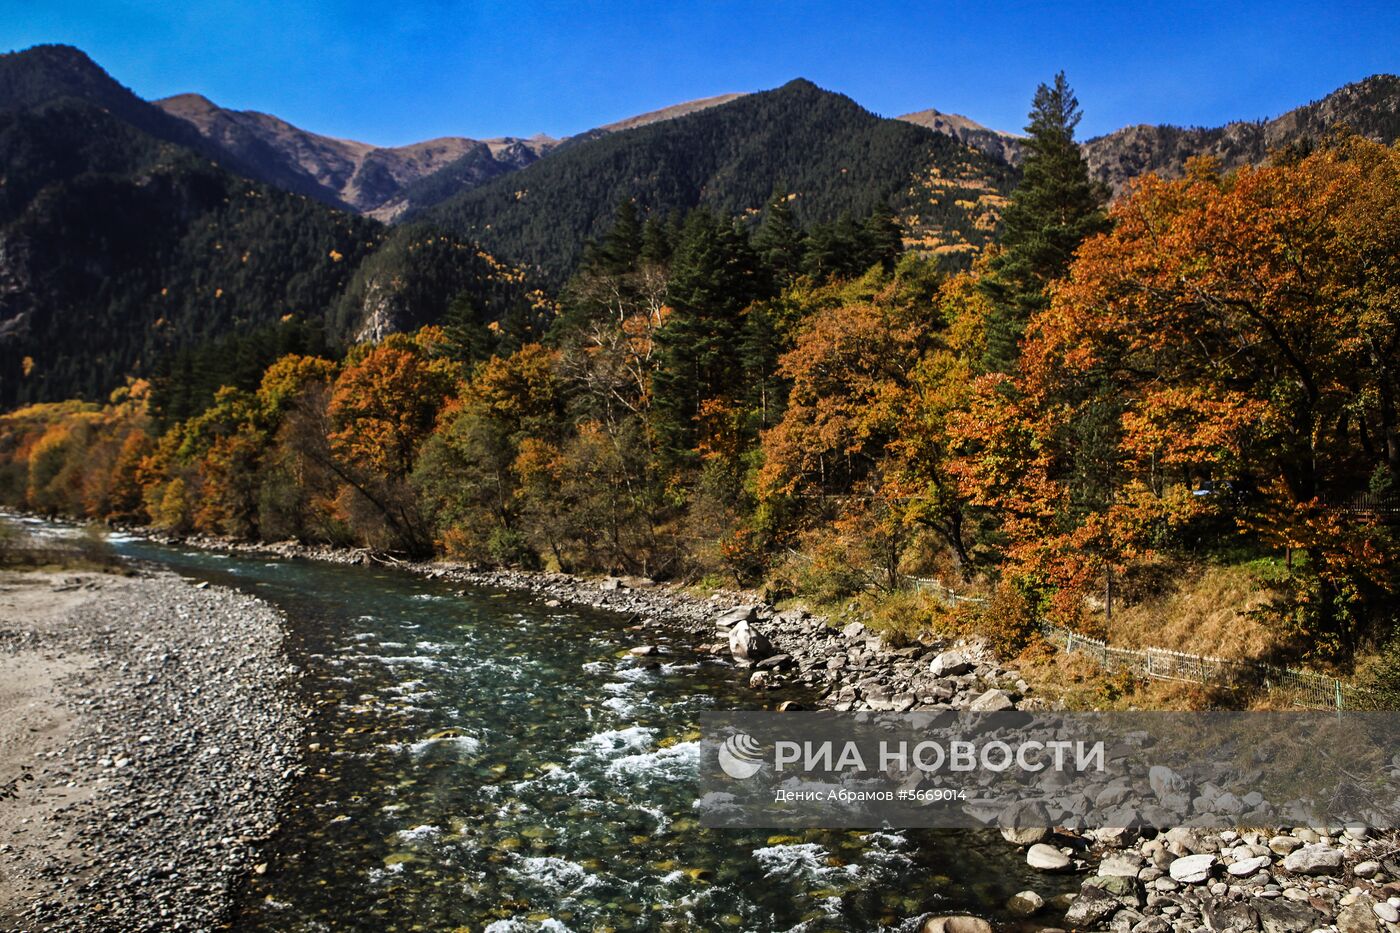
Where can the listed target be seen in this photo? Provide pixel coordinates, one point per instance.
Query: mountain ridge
(359, 176)
(1369, 106)
(833, 154)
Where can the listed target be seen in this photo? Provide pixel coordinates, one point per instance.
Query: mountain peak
(1004, 146)
(669, 113)
(45, 73)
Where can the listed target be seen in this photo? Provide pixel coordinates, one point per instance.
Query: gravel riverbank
(148, 733)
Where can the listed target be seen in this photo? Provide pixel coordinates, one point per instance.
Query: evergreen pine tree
(882, 239)
(623, 244)
(780, 242)
(469, 340)
(656, 241)
(1052, 211)
(713, 278)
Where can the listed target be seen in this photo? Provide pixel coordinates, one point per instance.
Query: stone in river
(1047, 858)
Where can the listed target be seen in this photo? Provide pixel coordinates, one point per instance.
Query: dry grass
(1079, 683)
(1210, 610)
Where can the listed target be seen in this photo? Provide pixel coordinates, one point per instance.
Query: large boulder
(747, 644)
(1165, 782)
(1285, 916)
(950, 664)
(1359, 916)
(1090, 908)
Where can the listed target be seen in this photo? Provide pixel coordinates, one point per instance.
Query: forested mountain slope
(823, 148)
(116, 246)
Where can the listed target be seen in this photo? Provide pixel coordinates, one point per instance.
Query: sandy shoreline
(147, 735)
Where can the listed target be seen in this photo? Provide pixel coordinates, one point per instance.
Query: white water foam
(677, 762)
(420, 833)
(560, 876)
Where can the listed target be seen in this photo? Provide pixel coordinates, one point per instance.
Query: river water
(479, 761)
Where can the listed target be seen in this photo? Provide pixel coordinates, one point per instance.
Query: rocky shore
(1275, 880)
(849, 666)
(148, 734)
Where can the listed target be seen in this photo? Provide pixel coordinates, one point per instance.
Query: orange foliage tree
(1236, 337)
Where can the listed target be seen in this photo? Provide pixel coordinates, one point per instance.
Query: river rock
(1025, 904)
(731, 618)
(950, 664)
(775, 661)
(993, 701)
(959, 924)
(1285, 916)
(1316, 859)
(1091, 907)
(1243, 868)
(1358, 916)
(1047, 858)
(761, 680)
(1387, 912)
(747, 644)
(1230, 918)
(1024, 823)
(1192, 869)
(1125, 864)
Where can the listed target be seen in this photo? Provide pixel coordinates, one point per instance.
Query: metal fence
(946, 595)
(1303, 688)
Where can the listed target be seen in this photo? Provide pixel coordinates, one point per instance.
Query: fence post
(1338, 685)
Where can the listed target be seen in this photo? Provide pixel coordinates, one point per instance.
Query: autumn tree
(827, 462)
(1238, 330)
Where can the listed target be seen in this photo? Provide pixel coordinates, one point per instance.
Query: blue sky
(392, 72)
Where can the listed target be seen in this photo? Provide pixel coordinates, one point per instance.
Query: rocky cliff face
(1370, 107)
(346, 173)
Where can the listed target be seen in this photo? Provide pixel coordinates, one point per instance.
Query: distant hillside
(499, 157)
(1370, 107)
(477, 164)
(115, 246)
(119, 246)
(831, 153)
(364, 178)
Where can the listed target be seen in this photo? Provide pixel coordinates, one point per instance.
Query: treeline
(1209, 366)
